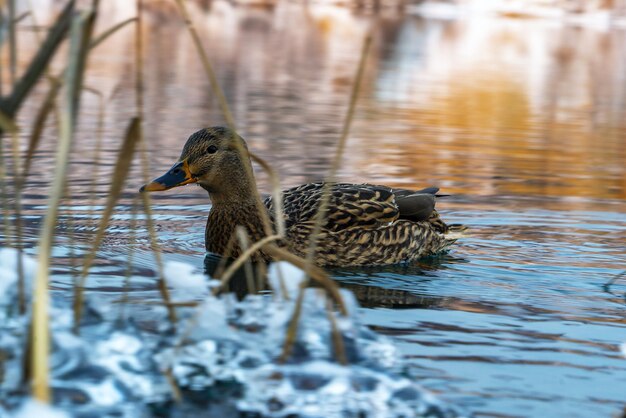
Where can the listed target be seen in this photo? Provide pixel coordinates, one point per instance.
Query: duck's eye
(212, 149)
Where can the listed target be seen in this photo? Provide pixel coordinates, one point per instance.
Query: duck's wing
(352, 205)
(416, 206)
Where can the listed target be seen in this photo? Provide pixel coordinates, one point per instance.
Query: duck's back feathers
(365, 224)
(349, 205)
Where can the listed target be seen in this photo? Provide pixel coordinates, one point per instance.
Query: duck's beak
(178, 175)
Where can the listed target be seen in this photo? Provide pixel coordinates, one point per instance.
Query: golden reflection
(490, 107)
(499, 108)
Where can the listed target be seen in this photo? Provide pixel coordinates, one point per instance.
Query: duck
(364, 225)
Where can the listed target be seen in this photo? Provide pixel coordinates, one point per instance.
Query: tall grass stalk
(38, 65)
(145, 198)
(316, 273)
(12, 43)
(107, 33)
(245, 255)
(96, 153)
(131, 257)
(120, 173)
(221, 99)
(47, 107)
(6, 125)
(244, 243)
(292, 328)
(206, 63)
(2, 23)
(339, 346)
(320, 215)
(21, 293)
(81, 27)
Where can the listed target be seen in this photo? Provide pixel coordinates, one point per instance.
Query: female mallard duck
(365, 224)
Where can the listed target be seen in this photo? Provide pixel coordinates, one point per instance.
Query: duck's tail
(454, 232)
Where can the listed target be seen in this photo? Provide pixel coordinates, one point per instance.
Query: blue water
(515, 320)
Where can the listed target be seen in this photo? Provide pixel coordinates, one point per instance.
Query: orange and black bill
(178, 175)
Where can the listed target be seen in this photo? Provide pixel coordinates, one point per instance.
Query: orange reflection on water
(483, 106)
(502, 107)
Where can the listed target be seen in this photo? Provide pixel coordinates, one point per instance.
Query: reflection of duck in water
(365, 224)
(375, 293)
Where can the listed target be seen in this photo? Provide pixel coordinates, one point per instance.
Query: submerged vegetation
(261, 344)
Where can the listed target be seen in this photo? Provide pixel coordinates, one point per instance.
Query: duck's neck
(234, 207)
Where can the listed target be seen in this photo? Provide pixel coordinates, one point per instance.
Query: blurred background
(516, 108)
(478, 97)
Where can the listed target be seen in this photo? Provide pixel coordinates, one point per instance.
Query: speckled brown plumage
(365, 224)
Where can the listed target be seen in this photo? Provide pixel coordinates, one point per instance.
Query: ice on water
(225, 346)
(9, 259)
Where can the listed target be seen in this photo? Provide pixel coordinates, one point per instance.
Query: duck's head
(215, 158)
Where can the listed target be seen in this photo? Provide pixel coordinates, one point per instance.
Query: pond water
(521, 121)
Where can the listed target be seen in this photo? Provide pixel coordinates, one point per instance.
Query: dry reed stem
(266, 244)
(44, 111)
(12, 43)
(171, 380)
(2, 23)
(277, 194)
(120, 173)
(221, 99)
(163, 290)
(3, 185)
(292, 329)
(40, 120)
(48, 104)
(139, 90)
(38, 65)
(315, 273)
(107, 33)
(261, 274)
(208, 68)
(7, 124)
(81, 26)
(96, 153)
(21, 293)
(21, 17)
(130, 260)
(70, 225)
(340, 348)
(320, 216)
(68, 197)
(221, 265)
(245, 255)
(281, 281)
(244, 243)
